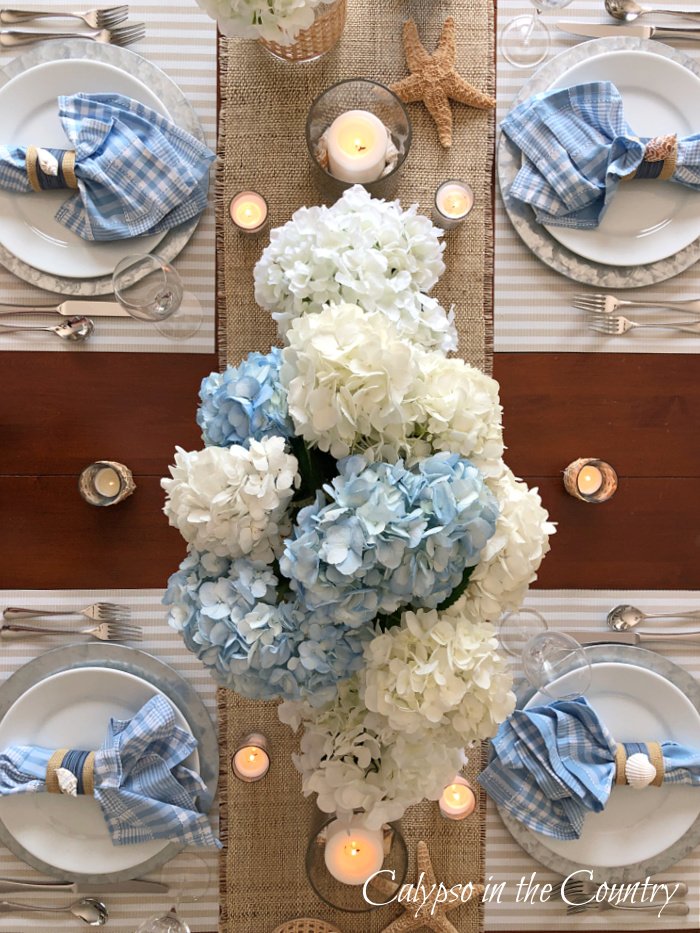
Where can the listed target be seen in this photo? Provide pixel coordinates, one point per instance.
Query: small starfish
(435, 81)
(431, 917)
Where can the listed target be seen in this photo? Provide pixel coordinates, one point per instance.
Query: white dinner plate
(29, 115)
(636, 705)
(646, 221)
(72, 710)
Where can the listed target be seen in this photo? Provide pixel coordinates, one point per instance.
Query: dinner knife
(603, 30)
(81, 308)
(636, 638)
(78, 887)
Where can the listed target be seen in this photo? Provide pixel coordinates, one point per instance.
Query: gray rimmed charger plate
(181, 111)
(529, 841)
(164, 679)
(534, 235)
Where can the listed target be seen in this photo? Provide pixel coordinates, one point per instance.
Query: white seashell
(639, 771)
(48, 163)
(67, 782)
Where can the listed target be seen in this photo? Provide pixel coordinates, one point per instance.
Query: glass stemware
(189, 877)
(150, 289)
(554, 663)
(526, 40)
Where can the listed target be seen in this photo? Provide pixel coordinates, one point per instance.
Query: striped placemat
(533, 304)
(126, 911)
(580, 611)
(181, 40)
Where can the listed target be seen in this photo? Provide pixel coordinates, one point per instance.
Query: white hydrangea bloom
(232, 501)
(361, 251)
(276, 20)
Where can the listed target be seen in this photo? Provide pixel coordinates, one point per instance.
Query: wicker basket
(306, 925)
(319, 38)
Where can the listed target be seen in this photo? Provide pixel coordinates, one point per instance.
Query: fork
(105, 631)
(680, 909)
(104, 18)
(97, 612)
(609, 304)
(122, 35)
(577, 888)
(616, 325)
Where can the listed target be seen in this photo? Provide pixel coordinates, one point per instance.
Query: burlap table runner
(261, 146)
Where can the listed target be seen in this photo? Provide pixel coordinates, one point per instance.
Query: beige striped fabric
(533, 304)
(181, 40)
(126, 911)
(585, 611)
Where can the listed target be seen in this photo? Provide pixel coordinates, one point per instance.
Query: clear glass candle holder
(106, 482)
(251, 760)
(590, 480)
(358, 94)
(392, 862)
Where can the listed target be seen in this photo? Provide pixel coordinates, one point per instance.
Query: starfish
(431, 916)
(435, 81)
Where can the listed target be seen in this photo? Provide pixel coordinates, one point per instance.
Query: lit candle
(248, 211)
(457, 800)
(357, 143)
(453, 202)
(353, 853)
(107, 482)
(589, 480)
(251, 761)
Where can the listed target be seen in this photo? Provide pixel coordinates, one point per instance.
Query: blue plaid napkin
(136, 172)
(140, 783)
(554, 764)
(576, 147)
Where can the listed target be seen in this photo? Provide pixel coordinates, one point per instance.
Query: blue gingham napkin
(140, 783)
(137, 173)
(576, 147)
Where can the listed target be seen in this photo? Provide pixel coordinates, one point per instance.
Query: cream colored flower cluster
(276, 20)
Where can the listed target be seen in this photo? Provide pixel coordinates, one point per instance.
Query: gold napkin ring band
(659, 163)
(80, 763)
(64, 176)
(655, 756)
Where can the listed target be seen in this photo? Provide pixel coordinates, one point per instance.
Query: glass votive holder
(345, 861)
(249, 212)
(372, 101)
(458, 800)
(251, 760)
(590, 480)
(453, 203)
(106, 482)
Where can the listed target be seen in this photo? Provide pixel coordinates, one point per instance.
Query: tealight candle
(453, 202)
(248, 211)
(590, 480)
(106, 482)
(457, 800)
(353, 853)
(357, 142)
(251, 760)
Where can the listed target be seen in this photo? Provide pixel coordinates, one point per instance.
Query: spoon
(87, 909)
(74, 329)
(629, 10)
(623, 618)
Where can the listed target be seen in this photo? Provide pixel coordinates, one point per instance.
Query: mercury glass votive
(590, 480)
(106, 482)
(251, 760)
(249, 212)
(369, 101)
(453, 203)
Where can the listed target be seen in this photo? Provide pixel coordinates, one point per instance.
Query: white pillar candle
(248, 211)
(107, 482)
(251, 761)
(357, 143)
(457, 800)
(589, 480)
(453, 202)
(353, 853)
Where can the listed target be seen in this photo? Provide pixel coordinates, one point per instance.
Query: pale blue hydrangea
(244, 402)
(390, 536)
(228, 616)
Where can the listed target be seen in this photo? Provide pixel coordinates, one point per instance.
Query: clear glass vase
(312, 43)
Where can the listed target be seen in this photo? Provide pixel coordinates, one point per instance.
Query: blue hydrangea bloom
(228, 616)
(390, 536)
(244, 402)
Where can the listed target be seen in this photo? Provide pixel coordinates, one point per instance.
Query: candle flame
(360, 145)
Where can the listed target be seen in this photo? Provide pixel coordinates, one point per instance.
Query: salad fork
(104, 18)
(679, 909)
(615, 326)
(609, 304)
(97, 612)
(121, 35)
(105, 631)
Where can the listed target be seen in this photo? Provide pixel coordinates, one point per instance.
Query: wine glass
(525, 40)
(189, 878)
(149, 289)
(554, 663)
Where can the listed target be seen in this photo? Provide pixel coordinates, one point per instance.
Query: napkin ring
(50, 169)
(639, 764)
(659, 162)
(71, 771)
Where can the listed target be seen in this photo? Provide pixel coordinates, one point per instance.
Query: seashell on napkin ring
(51, 169)
(71, 771)
(660, 156)
(639, 764)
